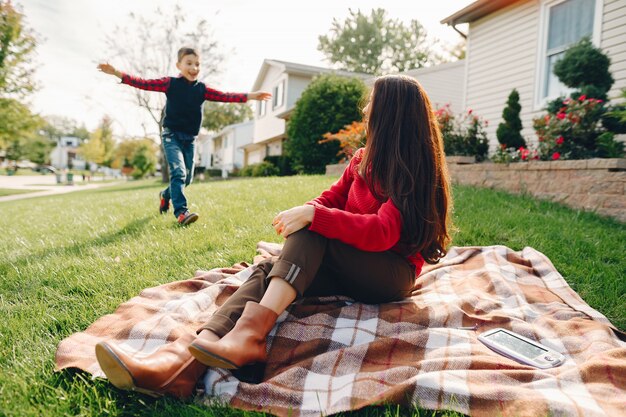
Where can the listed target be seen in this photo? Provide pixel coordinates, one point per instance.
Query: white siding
(502, 55)
(295, 86)
(443, 84)
(613, 42)
(269, 126)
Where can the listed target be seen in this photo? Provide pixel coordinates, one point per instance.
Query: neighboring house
(286, 81)
(65, 154)
(223, 150)
(443, 83)
(514, 44)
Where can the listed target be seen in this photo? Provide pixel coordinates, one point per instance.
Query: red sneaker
(186, 218)
(164, 205)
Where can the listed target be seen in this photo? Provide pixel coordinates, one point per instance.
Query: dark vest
(183, 109)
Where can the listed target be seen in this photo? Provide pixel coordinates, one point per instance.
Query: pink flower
(556, 156)
(559, 140)
(582, 98)
(469, 111)
(560, 116)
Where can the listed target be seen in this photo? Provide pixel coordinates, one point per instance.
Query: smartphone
(521, 349)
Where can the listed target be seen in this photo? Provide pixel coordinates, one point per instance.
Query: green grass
(66, 260)
(13, 191)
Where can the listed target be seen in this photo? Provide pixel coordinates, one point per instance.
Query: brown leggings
(318, 266)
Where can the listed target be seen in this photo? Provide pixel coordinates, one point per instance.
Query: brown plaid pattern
(331, 354)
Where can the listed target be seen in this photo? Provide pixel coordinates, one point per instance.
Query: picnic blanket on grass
(332, 354)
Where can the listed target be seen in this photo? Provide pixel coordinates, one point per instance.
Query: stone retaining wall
(594, 184)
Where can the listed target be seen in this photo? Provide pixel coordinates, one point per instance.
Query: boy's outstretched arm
(110, 69)
(259, 95)
(160, 84)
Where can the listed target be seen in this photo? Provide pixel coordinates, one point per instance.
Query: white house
(65, 154)
(515, 43)
(223, 150)
(443, 83)
(286, 81)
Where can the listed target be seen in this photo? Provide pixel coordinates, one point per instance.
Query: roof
(476, 10)
(300, 69)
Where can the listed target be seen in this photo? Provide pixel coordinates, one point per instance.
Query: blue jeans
(179, 151)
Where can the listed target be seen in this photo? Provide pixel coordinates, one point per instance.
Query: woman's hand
(290, 221)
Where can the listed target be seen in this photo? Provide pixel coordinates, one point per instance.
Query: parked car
(45, 169)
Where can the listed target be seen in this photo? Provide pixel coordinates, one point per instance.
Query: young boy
(183, 116)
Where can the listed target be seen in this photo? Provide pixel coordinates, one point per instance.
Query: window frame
(542, 47)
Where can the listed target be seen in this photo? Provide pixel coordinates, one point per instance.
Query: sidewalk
(43, 185)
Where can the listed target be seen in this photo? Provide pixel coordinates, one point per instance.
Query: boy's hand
(259, 95)
(109, 69)
(290, 221)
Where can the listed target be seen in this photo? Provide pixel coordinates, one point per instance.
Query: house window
(262, 108)
(279, 93)
(567, 22)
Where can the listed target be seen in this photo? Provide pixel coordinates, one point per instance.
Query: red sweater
(348, 212)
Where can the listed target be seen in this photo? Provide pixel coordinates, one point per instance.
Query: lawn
(13, 191)
(67, 260)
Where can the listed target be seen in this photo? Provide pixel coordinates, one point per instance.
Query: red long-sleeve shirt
(183, 108)
(348, 212)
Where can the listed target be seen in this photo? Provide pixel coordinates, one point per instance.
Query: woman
(366, 237)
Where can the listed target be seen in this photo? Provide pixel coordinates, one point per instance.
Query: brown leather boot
(243, 345)
(170, 370)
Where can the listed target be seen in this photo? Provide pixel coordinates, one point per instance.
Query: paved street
(43, 185)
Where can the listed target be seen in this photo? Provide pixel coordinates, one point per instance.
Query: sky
(71, 41)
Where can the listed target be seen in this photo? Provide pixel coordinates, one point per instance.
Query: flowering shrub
(351, 138)
(506, 155)
(463, 135)
(574, 131)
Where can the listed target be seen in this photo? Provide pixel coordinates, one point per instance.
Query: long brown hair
(404, 160)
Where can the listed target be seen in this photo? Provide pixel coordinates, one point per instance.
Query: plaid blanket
(331, 354)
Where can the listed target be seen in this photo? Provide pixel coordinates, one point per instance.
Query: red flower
(469, 111)
(524, 153)
(556, 156)
(559, 140)
(582, 98)
(560, 116)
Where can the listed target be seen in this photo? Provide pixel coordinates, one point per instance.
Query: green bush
(509, 132)
(463, 135)
(585, 68)
(328, 104)
(262, 169)
(282, 162)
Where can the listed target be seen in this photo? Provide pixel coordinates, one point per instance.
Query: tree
(376, 44)
(17, 44)
(219, 115)
(139, 154)
(328, 104)
(585, 68)
(509, 132)
(148, 46)
(100, 146)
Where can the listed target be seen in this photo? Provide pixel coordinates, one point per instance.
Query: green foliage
(282, 162)
(16, 124)
(261, 169)
(463, 135)
(575, 131)
(614, 120)
(16, 47)
(329, 103)
(144, 161)
(100, 147)
(585, 68)
(509, 132)
(376, 44)
(219, 115)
